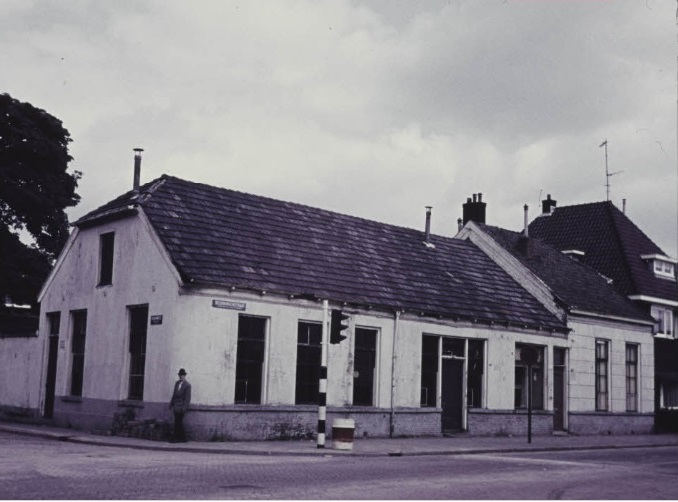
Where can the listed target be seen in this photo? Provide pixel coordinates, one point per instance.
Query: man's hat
(182, 371)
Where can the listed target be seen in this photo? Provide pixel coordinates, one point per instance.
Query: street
(36, 468)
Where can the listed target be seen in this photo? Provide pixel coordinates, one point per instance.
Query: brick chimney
(548, 205)
(474, 209)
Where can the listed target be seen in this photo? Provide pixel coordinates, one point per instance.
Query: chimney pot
(427, 231)
(460, 224)
(525, 209)
(137, 169)
(548, 205)
(475, 198)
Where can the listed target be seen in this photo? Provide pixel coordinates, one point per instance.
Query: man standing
(181, 398)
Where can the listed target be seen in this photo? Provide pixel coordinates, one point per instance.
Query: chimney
(548, 205)
(525, 209)
(427, 232)
(624, 206)
(474, 210)
(460, 224)
(137, 168)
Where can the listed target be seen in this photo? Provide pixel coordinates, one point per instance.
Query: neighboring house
(604, 238)
(603, 378)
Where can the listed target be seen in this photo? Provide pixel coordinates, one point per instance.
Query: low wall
(611, 423)
(508, 422)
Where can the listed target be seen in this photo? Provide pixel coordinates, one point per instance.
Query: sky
(370, 108)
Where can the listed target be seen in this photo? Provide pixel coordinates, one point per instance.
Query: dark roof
(17, 322)
(612, 244)
(576, 285)
(232, 239)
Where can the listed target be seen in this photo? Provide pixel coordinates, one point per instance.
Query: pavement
(457, 444)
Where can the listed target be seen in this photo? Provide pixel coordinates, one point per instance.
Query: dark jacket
(181, 398)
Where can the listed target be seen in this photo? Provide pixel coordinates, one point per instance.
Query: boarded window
(476, 365)
(429, 371)
(106, 242)
(602, 349)
(309, 353)
(631, 377)
(250, 359)
(364, 366)
(79, 319)
(536, 376)
(137, 351)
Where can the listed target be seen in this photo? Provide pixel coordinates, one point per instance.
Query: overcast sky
(370, 108)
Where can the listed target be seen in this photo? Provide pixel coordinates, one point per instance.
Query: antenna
(607, 173)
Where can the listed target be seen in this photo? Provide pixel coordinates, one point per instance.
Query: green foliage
(35, 190)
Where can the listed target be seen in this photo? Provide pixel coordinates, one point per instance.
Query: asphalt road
(36, 468)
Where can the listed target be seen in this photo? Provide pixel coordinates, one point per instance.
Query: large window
(106, 242)
(309, 353)
(522, 374)
(602, 372)
(668, 395)
(364, 366)
(79, 320)
(249, 366)
(429, 371)
(664, 321)
(476, 364)
(138, 328)
(631, 377)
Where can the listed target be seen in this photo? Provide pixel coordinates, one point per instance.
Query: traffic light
(339, 323)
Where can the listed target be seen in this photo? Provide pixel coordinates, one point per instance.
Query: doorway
(452, 394)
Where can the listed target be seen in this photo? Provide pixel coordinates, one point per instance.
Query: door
(558, 389)
(452, 394)
(51, 375)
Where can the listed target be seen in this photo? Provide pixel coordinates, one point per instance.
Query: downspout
(396, 316)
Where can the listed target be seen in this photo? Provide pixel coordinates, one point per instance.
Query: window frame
(137, 360)
(538, 371)
(306, 391)
(664, 317)
(106, 258)
(475, 366)
(632, 376)
(243, 365)
(602, 396)
(372, 354)
(429, 373)
(78, 346)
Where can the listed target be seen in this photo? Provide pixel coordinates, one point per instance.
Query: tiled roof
(232, 239)
(576, 285)
(612, 244)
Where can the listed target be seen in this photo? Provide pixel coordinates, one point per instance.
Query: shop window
(664, 321)
(631, 377)
(476, 365)
(522, 374)
(106, 243)
(602, 372)
(249, 366)
(309, 354)
(79, 320)
(668, 395)
(429, 371)
(364, 366)
(137, 351)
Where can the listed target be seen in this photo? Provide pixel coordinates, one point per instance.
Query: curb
(80, 439)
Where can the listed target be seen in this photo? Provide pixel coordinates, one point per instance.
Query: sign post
(529, 356)
(322, 390)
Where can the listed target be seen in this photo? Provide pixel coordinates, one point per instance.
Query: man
(181, 398)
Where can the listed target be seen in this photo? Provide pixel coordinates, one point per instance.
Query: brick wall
(611, 423)
(508, 422)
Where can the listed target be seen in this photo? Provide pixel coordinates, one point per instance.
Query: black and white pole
(322, 390)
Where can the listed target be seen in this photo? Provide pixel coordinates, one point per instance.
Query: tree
(35, 190)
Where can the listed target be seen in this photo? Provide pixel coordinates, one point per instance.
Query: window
(521, 379)
(79, 319)
(364, 366)
(668, 395)
(664, 269)
(106, 242)
(602, 357)
(309, 354)
(476, 364)
(54, 320)
(631, 377)
(429, 371)
(664, 320)
(137, 351)
(249, 366)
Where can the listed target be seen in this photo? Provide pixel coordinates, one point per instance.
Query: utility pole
(322, 390)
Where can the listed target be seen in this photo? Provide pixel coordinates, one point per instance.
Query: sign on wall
(223, 304)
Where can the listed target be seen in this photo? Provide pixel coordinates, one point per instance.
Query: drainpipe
(396, 315)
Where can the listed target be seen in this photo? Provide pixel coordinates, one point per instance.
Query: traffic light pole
(322, 390)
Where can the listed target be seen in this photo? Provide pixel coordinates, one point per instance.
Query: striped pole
(322, 389)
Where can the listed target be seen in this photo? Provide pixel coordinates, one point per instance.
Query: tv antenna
(608, 174)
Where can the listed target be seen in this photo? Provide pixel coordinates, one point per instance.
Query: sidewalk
(461, 444)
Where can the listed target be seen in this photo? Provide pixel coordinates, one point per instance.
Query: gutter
(610, 317)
